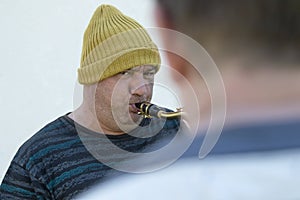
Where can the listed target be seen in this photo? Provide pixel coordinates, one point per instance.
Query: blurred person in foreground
(81, 148)
(256, 46)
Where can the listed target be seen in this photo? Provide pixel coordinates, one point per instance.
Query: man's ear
(164, 20)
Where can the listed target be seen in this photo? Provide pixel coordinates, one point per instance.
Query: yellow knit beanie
(112, 43)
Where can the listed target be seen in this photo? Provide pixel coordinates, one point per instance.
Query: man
(256, 46)
(67, 156)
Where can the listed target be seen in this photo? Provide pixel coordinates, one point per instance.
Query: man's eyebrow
(146, 68)
(149, 68)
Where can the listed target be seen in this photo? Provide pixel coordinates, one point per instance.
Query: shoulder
(167, 128)
(173, 123)
(45, 139)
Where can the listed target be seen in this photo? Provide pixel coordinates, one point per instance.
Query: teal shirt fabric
(55, 164)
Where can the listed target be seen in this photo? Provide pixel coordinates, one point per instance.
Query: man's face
(116, 96)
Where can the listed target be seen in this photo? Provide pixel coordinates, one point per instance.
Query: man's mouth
(133, 108)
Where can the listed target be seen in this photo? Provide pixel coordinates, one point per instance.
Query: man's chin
(129, 122)
(135, 117)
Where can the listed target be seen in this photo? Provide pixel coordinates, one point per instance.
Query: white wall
(40, 52)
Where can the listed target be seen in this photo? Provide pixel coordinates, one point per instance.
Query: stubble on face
(115, 106)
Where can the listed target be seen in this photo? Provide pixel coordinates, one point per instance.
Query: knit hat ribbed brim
(112, 43)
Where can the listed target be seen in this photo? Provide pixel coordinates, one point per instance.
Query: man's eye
(149, 74)
(127, 72)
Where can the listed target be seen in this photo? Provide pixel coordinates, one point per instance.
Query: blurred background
(40, 53)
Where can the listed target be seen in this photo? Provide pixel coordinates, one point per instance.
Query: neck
(85, 116)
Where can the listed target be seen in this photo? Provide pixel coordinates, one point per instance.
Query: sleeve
(18, 184)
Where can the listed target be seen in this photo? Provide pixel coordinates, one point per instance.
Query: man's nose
(141, 86)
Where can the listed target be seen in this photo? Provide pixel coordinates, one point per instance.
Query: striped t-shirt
(55, 163)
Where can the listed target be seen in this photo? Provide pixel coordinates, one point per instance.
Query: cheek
(102, 100)
(103, 96)
(120, 95)
(120, 90)
(114, 96)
